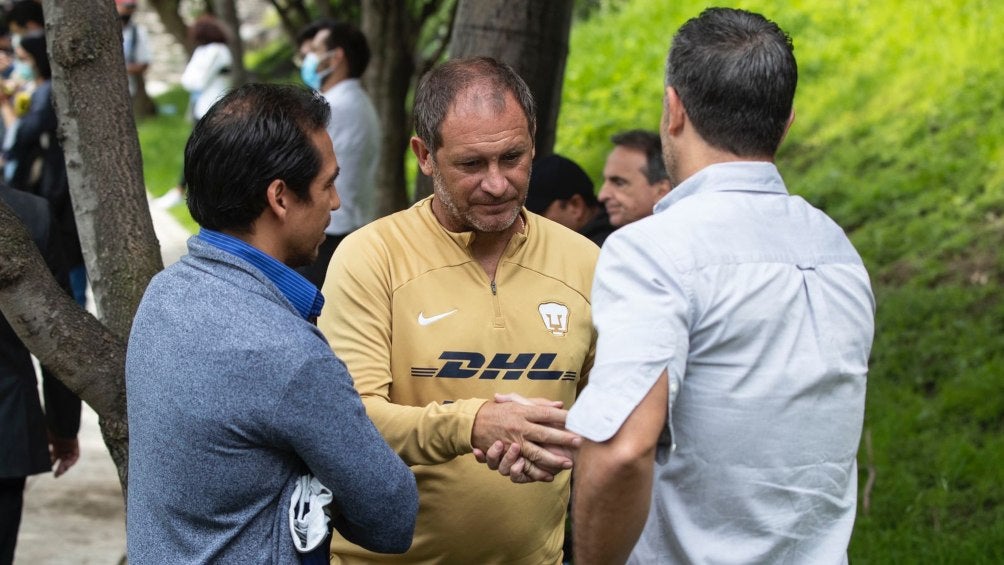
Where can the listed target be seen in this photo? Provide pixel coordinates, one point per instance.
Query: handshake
(524, 439)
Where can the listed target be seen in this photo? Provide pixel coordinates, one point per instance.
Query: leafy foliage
(899, 136)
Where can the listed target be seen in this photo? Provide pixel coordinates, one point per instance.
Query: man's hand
(523, 439)
(64, 453)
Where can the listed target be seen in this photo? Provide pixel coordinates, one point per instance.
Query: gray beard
(467, 219)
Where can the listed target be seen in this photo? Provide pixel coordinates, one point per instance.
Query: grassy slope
(900, 137)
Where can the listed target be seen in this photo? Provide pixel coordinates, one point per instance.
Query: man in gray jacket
(233, 393)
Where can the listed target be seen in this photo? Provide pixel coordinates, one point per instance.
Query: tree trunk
(170, 17)
(105, 170)
(226, 11)
(393, 29)
(142, 105)
(389, 30)
(293, 15)
(529, 35)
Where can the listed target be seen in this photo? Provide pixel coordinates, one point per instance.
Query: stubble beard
(467, 218)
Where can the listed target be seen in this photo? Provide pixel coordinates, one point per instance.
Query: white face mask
(15, 41)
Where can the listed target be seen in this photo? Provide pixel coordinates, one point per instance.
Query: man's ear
(662, 188)
(277, 194)
(676, 114)
(423, 155)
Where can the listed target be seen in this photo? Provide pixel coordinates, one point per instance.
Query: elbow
(390, 526)
(400, 522)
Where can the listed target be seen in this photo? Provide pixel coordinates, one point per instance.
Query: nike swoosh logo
(423, 321)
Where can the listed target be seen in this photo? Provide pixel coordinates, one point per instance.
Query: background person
(35, 156)
(561, 191)
(338, 57)
(32, 441)
(634, 177)
(725, 409)
(206, 77)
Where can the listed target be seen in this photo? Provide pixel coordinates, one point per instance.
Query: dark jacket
(23, 443)
(41, 167)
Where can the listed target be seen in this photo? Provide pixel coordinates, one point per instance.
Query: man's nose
(604, 194)
(494, 182)
(336, 201)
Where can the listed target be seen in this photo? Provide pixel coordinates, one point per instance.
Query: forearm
(612, 493)
(425, 435)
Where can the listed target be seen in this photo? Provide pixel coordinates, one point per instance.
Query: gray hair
(439, 88)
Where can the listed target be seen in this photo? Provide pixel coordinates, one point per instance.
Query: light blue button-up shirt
(760, 310)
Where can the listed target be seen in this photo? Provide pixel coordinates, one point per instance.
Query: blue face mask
(308, 71)
(22, 71)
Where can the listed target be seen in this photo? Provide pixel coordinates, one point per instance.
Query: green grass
(162, 141)
(899, 136)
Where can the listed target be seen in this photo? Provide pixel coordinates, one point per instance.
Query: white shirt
(760, 310)
(204, 74)
(355, 134)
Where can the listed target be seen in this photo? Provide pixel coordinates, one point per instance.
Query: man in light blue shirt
(725, 407)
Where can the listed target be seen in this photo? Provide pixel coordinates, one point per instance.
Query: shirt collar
(300, 292)
(742, 176)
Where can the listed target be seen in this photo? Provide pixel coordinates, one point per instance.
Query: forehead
(319, 40)
(481, 116)
(622, 158)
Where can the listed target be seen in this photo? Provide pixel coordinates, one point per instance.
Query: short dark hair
(556, 177)
(438, 90)
(34, 45)
(735, 73)
(24, 11)
(206, 29)
(308, 31)
(649, 144)
(254, 135)
(352, 41)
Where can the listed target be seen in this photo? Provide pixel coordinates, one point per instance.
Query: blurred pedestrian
(207, 77)
(634, 177)
(561, 191)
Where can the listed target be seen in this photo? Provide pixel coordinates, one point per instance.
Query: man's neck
(487, 247)
(333, 79)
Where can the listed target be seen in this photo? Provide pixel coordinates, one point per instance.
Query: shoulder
(32, 210)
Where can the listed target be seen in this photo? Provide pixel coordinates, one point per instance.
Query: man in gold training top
(438, 309)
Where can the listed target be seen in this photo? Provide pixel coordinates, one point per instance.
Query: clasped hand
(523, 439)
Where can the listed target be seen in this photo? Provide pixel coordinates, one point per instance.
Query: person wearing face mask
(335, 59)
(35, 157)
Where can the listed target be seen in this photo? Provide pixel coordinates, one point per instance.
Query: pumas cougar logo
(555, 317)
